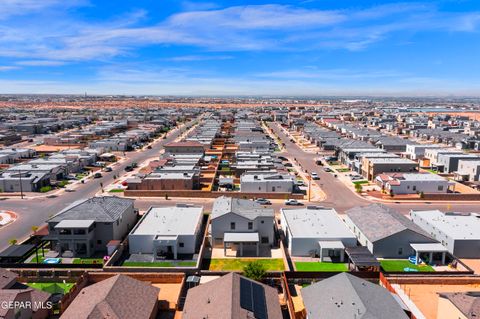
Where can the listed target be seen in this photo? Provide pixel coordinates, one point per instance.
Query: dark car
(107, 169)
(97, 175)
(128, 169)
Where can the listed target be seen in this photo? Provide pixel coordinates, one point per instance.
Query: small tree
(254, 270)
(12, 241)
(34, 229)
(358, 188)
(422, 195)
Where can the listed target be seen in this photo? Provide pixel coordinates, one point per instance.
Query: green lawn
(160, 264)
(342, 170)
(52, 287)
(432, 171)
(360, 182)
(88, 261)
(399, 265)
(34, 259)
(227, 264)
(116, 190)
(318, 266)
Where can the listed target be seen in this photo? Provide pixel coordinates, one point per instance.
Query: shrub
(254, 270)
(358, 188)
(45, 189)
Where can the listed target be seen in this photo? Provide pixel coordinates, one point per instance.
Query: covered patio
(332, 248)
(241, 239)
(430, 249)
(362, 259)
(165, 245)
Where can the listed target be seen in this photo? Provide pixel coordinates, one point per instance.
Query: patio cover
(331, 244)
(431, 247)
(75, 223)
(241, 238)
(360, 256)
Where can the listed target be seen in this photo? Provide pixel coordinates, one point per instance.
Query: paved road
(34, 212)
(340, 196)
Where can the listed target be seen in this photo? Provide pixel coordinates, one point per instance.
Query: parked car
(328, 169)
(288, 164)
(128, 168)
(149, 147)
(300, 183)
(97, 175)
(293, 202)
(263, 201)
(314, 176)
(107, 169)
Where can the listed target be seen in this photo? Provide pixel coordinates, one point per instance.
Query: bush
(45, 189)
(358, 188)
(254, 270)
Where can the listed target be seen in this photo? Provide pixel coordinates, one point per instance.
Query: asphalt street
(341, 197)
(35, 211)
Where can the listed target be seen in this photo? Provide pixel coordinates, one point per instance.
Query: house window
(414, 188)
(400, 251)
(250, 225)
(263, 222)
(232, 226)
(181, 245)
(440, 187)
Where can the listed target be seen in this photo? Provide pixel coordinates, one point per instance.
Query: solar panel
(252, 298)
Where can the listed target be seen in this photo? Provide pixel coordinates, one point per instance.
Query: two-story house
(242, 223)
(87, 226)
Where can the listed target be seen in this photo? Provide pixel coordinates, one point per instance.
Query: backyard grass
(399, 265)
(88, 261)
(360, 182)
(342, 170)
(432, 171)
(318, 266)
(159, 264)
(116, 190)
(52, 287)
(34, 259)
(227, 264)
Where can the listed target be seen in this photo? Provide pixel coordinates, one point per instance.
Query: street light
(21, 186)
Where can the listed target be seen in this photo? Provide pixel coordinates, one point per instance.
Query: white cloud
(8, 68)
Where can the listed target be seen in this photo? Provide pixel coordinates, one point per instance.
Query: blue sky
(167, 47)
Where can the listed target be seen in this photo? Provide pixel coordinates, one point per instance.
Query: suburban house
(241, 222)
(448, 163)
(468, 170)
(345, 296)
(119, 296)
(19, 295)
(85, 227)
(186, 147)
(417, 151)
(23, 181)
(167, 231)
(166, 181)
(458, 232)
(316, 231)
(232, 296)
(413, 183)
(385, 232)
(462, 305)
(371, 167)
(266, 182)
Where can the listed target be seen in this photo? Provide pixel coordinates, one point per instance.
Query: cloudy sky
(167, 47)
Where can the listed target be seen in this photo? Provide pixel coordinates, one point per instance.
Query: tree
(254, 270)
(34, 229)
(358, 188)
(12, 241)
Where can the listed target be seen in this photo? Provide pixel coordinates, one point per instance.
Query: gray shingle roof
(243, 207)
(101, 209)
(377, 221)
(345, 296)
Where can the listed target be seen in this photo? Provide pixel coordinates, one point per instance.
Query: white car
(314, 176)
(293, 202)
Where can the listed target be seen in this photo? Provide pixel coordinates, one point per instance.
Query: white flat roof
(454, 225)
(241, 237)
(170, 221)
(430, 247)
(75, 223)
(315, 222)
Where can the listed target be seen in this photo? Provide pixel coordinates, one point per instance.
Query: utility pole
(309, 187)
(21, 186)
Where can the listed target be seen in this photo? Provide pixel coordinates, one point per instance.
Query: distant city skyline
(226, 48)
